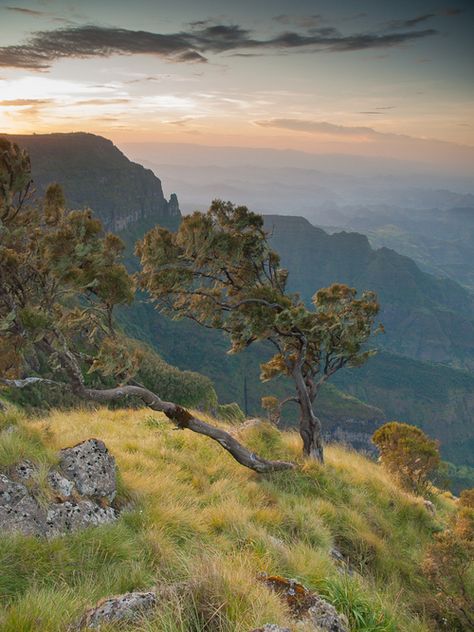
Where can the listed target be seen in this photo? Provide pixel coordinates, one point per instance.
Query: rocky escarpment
(74, 496)
(96, 174)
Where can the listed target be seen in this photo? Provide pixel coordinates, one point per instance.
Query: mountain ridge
(95, 173)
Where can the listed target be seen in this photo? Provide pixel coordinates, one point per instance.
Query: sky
(372, 77)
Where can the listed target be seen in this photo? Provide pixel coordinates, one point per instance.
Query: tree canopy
(219, 270)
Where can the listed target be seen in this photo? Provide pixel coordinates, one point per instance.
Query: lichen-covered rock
(325, 617)
(72, 516)
(19, 511)
(122, 608)
(60, 485)
(298, 598)
(81, 490)
(91, 468)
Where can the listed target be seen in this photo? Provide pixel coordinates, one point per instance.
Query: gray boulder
(82, 489)
(19, 511)
(122, 608)
(91, 468)
(71, 516)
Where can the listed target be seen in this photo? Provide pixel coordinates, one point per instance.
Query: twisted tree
(219, 270)
(61, 279)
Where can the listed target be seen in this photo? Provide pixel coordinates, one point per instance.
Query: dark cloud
(424, 17)
(408, 24)
(369, 112)
(25, 11)
(44, 47)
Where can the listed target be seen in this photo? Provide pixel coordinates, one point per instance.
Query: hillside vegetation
(201, 527)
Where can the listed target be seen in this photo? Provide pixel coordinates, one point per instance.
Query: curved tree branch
(181, 417)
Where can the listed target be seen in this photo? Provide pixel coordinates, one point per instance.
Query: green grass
(202, 528)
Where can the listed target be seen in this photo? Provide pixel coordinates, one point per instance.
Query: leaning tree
(219, 270)
(61, 279)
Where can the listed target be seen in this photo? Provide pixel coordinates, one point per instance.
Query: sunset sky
(360, 77)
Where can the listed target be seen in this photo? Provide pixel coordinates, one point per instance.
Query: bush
(449, 566)
(409, 453)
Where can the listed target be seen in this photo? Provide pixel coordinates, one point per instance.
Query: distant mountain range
(440, 239)
(429, 321)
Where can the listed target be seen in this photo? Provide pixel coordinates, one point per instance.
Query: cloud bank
(45, 47)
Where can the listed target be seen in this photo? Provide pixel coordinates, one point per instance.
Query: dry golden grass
(194, 517)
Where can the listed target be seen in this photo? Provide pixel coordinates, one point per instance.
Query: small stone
(70, 516)
(122, 608)
(91, 468)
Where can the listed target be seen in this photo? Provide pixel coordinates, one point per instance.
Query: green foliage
(231, 413)
(409, 453)
(219, 271)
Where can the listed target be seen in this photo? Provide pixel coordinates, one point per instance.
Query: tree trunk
(310, 425)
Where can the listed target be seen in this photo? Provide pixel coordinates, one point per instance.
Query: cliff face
(95, 173)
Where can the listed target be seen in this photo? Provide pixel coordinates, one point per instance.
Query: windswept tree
(219, 270)
(61, 279)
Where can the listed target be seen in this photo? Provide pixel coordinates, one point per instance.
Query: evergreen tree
(219, 271)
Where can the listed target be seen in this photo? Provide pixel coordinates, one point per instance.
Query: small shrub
(449, 566)
(408, 452)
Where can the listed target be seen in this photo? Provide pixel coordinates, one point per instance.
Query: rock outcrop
(81, 491)
(119, 609)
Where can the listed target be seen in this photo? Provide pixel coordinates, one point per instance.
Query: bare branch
(182, 418)
(28, 381)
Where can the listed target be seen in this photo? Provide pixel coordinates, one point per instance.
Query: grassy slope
(199, 517)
